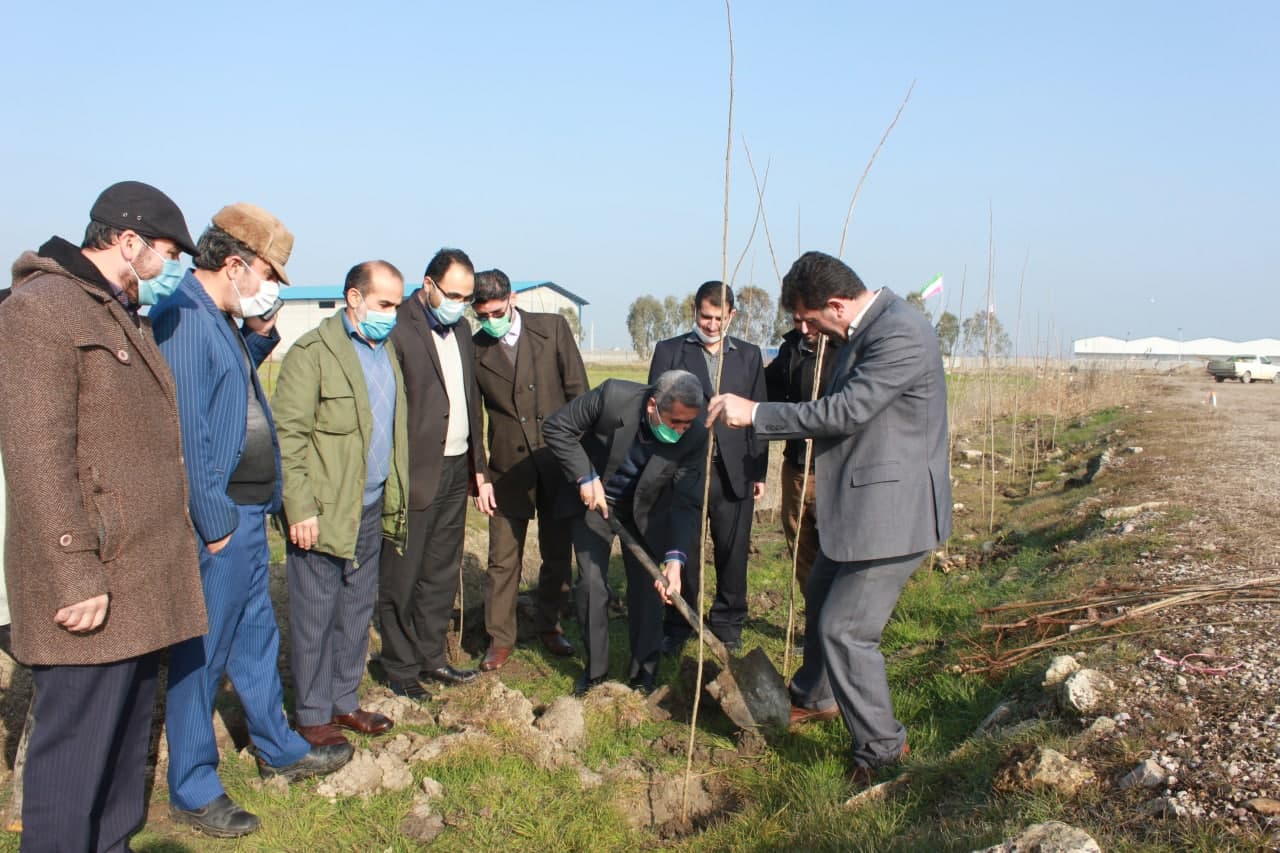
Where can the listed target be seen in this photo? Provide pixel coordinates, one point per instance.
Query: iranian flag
(933, 288)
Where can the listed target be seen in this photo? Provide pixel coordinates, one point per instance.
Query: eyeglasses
(492, 315)
(456, 297)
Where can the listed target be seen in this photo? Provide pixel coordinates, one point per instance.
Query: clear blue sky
(1128, 150)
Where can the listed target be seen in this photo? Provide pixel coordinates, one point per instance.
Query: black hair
(491, 285)
(99, 236)
(709, 291)
(215, 246)
(444, 260)
(816, 277)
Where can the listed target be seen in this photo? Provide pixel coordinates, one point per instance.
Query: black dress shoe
(318, 762)
(643, 682)
(583, 685)
(733, 647)
(221, 818)
(448, 675)
(412, 689)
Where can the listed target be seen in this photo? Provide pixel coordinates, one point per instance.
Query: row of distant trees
(762, 322)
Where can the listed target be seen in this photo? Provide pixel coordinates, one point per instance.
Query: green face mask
(662, 432)
(497, 327)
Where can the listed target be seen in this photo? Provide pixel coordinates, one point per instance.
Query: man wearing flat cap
(102, 572)
(233, 467)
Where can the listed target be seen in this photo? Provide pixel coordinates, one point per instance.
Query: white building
(1198, 349)
(305, 305)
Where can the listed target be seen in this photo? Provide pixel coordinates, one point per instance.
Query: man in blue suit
(883, 493)
(233, 467)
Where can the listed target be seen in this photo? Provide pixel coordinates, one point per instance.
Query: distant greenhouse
(1165, 348)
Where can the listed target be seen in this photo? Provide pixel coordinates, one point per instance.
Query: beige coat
(97, 493)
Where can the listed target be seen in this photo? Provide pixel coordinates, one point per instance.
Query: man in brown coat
(100, 554)
(527, 366)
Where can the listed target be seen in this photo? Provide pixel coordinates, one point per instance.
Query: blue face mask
(376, 325)
(152, 290)
(450, 311)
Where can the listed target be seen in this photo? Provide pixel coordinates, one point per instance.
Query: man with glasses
(417, 588)
(527, 366)
(233, 466)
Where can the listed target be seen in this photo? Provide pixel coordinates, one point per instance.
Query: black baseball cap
(135, 206)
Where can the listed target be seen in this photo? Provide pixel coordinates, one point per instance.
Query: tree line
(762, 322)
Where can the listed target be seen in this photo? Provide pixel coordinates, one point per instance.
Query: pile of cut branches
(1098, 613)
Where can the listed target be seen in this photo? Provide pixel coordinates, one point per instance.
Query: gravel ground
(1215, 718)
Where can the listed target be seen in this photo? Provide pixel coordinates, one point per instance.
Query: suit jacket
(743, 459)
(880, 438)
(428, 398)
(547, 374)
(594, 432)
(93, 462)
(213, 399)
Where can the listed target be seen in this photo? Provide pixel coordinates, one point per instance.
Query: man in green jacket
(341, 416)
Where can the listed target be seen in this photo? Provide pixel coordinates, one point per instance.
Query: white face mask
(705, 338)
(261, 302)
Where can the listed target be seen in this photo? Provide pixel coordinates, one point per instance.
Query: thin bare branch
(844, 232)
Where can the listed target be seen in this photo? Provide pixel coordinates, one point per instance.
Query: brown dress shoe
(495, 658)
(861, 776)
(800, 716)
(555, 643)
(325, 734)
(364, 722)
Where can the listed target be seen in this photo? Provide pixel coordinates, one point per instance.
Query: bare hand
(215, 547)
(593, 498)
(484, 499)
(85, 616)
(261, 326)
(305, 533)
(731, 410)
(757, 491)
(671, 589)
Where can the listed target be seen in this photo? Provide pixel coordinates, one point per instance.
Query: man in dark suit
(527, 366)
(417, 588)
(789, 378)
(884, 491)
(739, 466)
(636, 453)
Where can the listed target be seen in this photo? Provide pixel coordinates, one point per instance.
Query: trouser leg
(437, 586)
(592, 542)
(356, 596)
(397, 579)
(253, 664)
(810, 687)
(502, 580)
(314, 579)
(555, 542)
(799, 520)
(85, 775)
(644, 614)
(859, 602)
(730, 522)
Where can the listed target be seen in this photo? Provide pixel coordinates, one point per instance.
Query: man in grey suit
(883, 490)
(637, 453)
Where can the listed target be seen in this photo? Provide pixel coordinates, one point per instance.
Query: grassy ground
(1016, 542)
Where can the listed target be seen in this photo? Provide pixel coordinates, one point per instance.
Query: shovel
(749, 689)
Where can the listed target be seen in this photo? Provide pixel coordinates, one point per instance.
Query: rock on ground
(1047, 769)
(1059, 668)
(401, 709)
(1148, 774)
(359, 777)
(1051, 837)
(421, 823)
(484, 703)
(1084, 692)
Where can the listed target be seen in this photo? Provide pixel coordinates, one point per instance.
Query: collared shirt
(853, 327)
(711, 358)
(512, 337)
(380, 382)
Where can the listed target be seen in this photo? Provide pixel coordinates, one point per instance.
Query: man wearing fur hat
(102, 571)
(233, 467)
